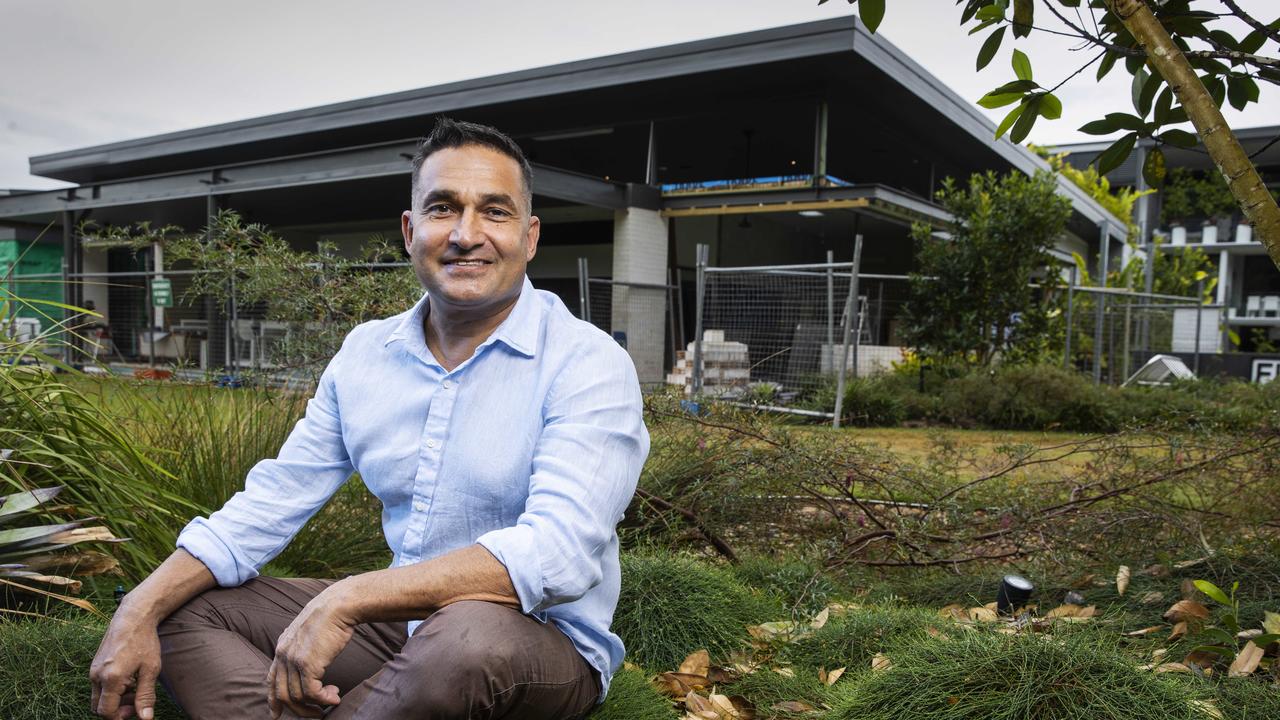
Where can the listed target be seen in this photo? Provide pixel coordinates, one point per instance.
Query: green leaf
(1050, 107)
(990, 47)
(1153, 168)
(970, 8)
(990, 12)
(1017, 86)
(1271, 622)
(1220, 636)
(1112, 157)
(1264, 640)
(1099, 127)
(1217, 89)
(1108, 62)
(1252, 42)
(992, 102)
(1140, 79)
(1179, 138)
(871, 12)
(1021, 65)
(982, 26)
(23, 501)
(1148, 94)
(1164, 103)
(1216, 650)
(1028, 118)
(1212, 591)
(1023, 16)
(1008, 120)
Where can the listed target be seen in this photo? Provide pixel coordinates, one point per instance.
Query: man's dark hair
(450, 133)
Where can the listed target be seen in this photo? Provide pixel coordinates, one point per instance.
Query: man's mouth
(466, 263)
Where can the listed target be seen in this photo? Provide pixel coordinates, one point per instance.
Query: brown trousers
(468, 660)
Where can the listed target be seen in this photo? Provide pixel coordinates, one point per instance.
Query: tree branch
(1251, 20)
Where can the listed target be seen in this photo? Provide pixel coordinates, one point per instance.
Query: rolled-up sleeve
(585, 468)
(280, 495)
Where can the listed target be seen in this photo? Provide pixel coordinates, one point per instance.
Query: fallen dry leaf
(678, 684)
(696, 664)
(1189, 563)
(955, 611)
(1200, 658)
(783, 630)
(1122, 579)
(793, 706)
(833, 676)
(695, 703)
(1246, 661)
(1153, 597)
(1208, 707)
(820, 620)
(1179, 630)
(1145, 631)
(1190, 591)
(1156, 570)
(983, 614)
(722, 705)
(1172, 667)
(1186, 610)
(1072, 611)
(785, 672)
(880, 662)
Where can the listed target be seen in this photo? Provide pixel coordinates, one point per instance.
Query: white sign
(1264, 371)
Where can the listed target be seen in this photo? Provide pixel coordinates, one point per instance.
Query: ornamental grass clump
(672, 605)
(987, 676)
(631, 697)
(858, 635)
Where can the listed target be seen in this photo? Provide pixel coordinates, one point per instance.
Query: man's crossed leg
(468, 660)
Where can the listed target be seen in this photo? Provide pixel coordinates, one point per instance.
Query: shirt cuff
(514, 547)
(204, 545)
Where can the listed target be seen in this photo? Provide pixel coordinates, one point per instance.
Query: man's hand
(304, 651)
(125, 669)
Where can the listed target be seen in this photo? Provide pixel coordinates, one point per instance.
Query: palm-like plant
(34, 550)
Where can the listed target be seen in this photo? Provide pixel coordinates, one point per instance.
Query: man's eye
(437, 209)
(498, 213)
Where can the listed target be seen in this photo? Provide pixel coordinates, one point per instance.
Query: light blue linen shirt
(531, 448)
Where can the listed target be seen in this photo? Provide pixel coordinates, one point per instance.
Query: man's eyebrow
(499, 199)
(435, 196)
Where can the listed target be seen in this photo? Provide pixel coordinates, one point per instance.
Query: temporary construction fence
(645, 318)
(1112, 332)
(779, 335)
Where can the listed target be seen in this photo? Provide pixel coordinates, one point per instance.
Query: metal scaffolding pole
(703, 252)
(1101, 300)
(850, 312)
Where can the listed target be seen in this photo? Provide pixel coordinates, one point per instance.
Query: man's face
(470, 234)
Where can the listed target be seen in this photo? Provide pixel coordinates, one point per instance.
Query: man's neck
(453, 334)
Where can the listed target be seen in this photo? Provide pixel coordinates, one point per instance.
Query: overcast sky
(75, 73)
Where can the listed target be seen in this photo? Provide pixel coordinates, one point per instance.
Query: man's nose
(467, 233)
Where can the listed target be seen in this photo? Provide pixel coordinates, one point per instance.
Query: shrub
(1036, 397)
(988, 676)
(801, 586)
(672, 605)
(854, 638)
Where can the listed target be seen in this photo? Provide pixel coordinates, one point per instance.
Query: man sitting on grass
(504, 438)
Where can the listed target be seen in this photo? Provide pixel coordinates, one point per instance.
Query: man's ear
(531, 237)
(406, 229)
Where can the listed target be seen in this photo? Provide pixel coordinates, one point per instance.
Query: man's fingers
(273, 700)
(144, 694)
(108, 700)
(319, 693)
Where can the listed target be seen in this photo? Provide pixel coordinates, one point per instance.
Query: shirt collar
(519, 331)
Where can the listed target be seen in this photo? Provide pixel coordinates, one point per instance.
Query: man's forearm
(415, 591)
(178, 579)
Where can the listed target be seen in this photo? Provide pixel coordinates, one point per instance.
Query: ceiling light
(810, 213)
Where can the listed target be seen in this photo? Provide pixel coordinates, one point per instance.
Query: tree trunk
(1166, 58)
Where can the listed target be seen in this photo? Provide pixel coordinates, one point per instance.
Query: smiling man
(504, 438)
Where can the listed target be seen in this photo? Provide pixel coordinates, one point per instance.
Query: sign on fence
(161, 292)
(1264, 371)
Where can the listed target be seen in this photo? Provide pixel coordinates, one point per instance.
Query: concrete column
(1224, 277)
(640, 258)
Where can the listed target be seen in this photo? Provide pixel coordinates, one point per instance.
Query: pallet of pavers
(726, 367)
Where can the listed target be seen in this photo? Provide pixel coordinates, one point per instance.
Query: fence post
(671, 316)
(1101, 300)
(850, 309)
(1071, 291)
(1199, 315)
(699, 302)
(1125, 362)
(831, 302)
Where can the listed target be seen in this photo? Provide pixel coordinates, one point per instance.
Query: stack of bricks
(726, 367)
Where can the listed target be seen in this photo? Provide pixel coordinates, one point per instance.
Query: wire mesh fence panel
(1113, 334)
(641, 317)
(777, 333)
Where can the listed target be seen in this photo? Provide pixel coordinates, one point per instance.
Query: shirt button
(431, 443)
(447, 384)
(419, 506)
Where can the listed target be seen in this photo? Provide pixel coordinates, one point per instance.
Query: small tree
(972, 299)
